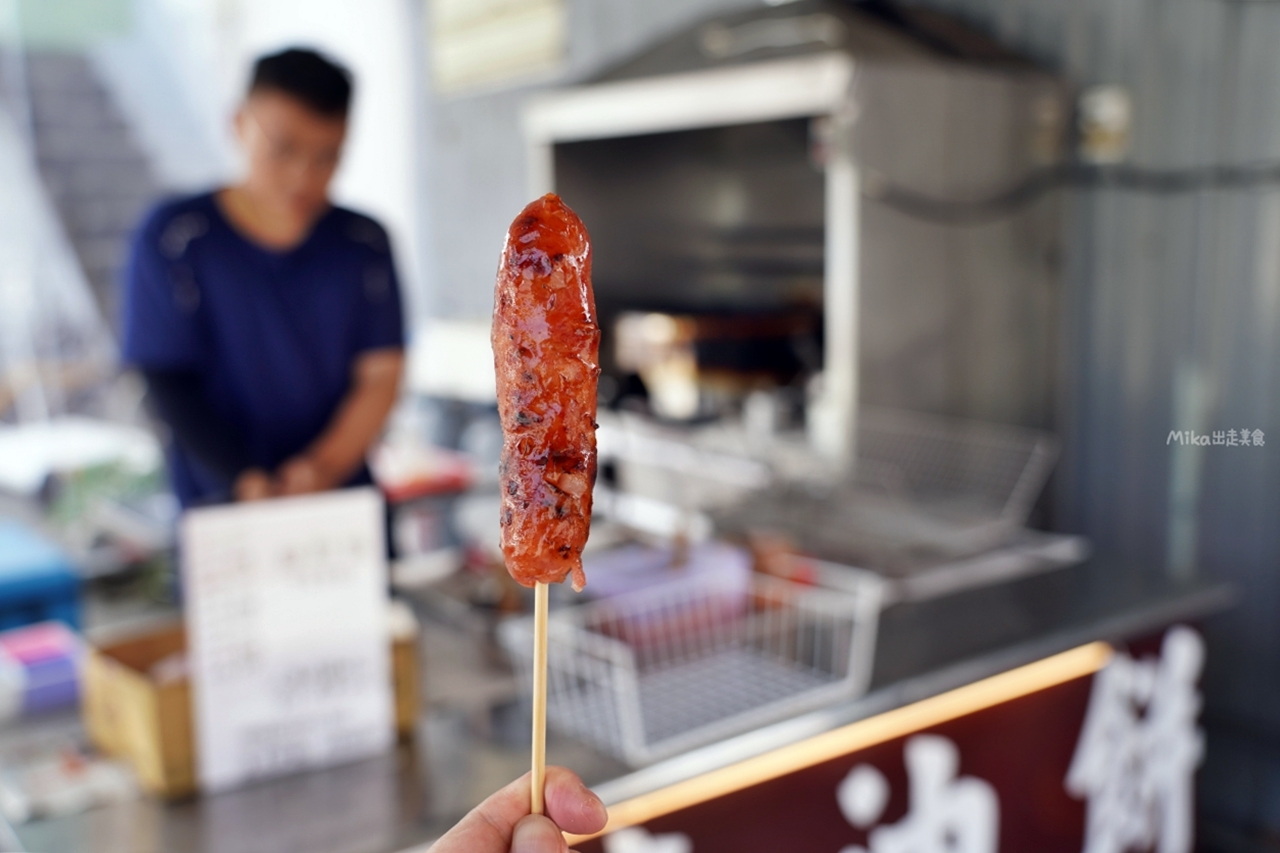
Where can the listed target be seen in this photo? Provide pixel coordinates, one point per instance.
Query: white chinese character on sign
(1245, 437)
(1259, 438)
(1139, 749)
(947, 813)
(636, 839)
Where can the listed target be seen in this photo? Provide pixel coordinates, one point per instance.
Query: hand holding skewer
(503, 823)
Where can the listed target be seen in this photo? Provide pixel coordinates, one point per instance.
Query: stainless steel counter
(473, 736)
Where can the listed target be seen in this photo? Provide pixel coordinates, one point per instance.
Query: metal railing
(51, 331)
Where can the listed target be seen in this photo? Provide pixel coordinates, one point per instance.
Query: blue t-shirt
(273, 334)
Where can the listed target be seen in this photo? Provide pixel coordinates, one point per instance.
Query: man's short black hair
(316, 81)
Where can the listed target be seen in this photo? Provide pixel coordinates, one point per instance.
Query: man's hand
(301, 476)
(502, 823)
(253, 485)
(340, 450)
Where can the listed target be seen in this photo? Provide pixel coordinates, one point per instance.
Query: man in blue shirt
(266, 320)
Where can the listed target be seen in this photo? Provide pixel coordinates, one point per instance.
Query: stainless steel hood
(871, 30)
(916, 315)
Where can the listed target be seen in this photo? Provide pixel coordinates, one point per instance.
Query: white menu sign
(287, 634)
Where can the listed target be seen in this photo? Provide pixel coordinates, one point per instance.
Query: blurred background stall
(962, 313)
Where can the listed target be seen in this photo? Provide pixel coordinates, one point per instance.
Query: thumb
(537, 834)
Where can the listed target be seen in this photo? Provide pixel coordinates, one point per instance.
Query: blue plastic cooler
(37, 581)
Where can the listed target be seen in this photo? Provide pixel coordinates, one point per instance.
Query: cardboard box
(129, 714)
(135, 710)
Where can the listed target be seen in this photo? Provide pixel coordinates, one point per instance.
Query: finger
(489, 825)
(537, 834)
(572, 805)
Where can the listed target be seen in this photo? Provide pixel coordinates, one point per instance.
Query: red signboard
(1081, 764)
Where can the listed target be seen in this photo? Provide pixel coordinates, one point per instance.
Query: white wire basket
(651, 674)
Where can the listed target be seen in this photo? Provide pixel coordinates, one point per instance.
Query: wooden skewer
(539, 775)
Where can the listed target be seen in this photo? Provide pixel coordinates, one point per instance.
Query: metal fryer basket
(951, 465)
(926, 489)
(648, 675)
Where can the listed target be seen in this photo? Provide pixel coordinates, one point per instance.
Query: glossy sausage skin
(546, 343)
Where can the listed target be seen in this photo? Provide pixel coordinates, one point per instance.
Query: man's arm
(177, 397)
(336, 455)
